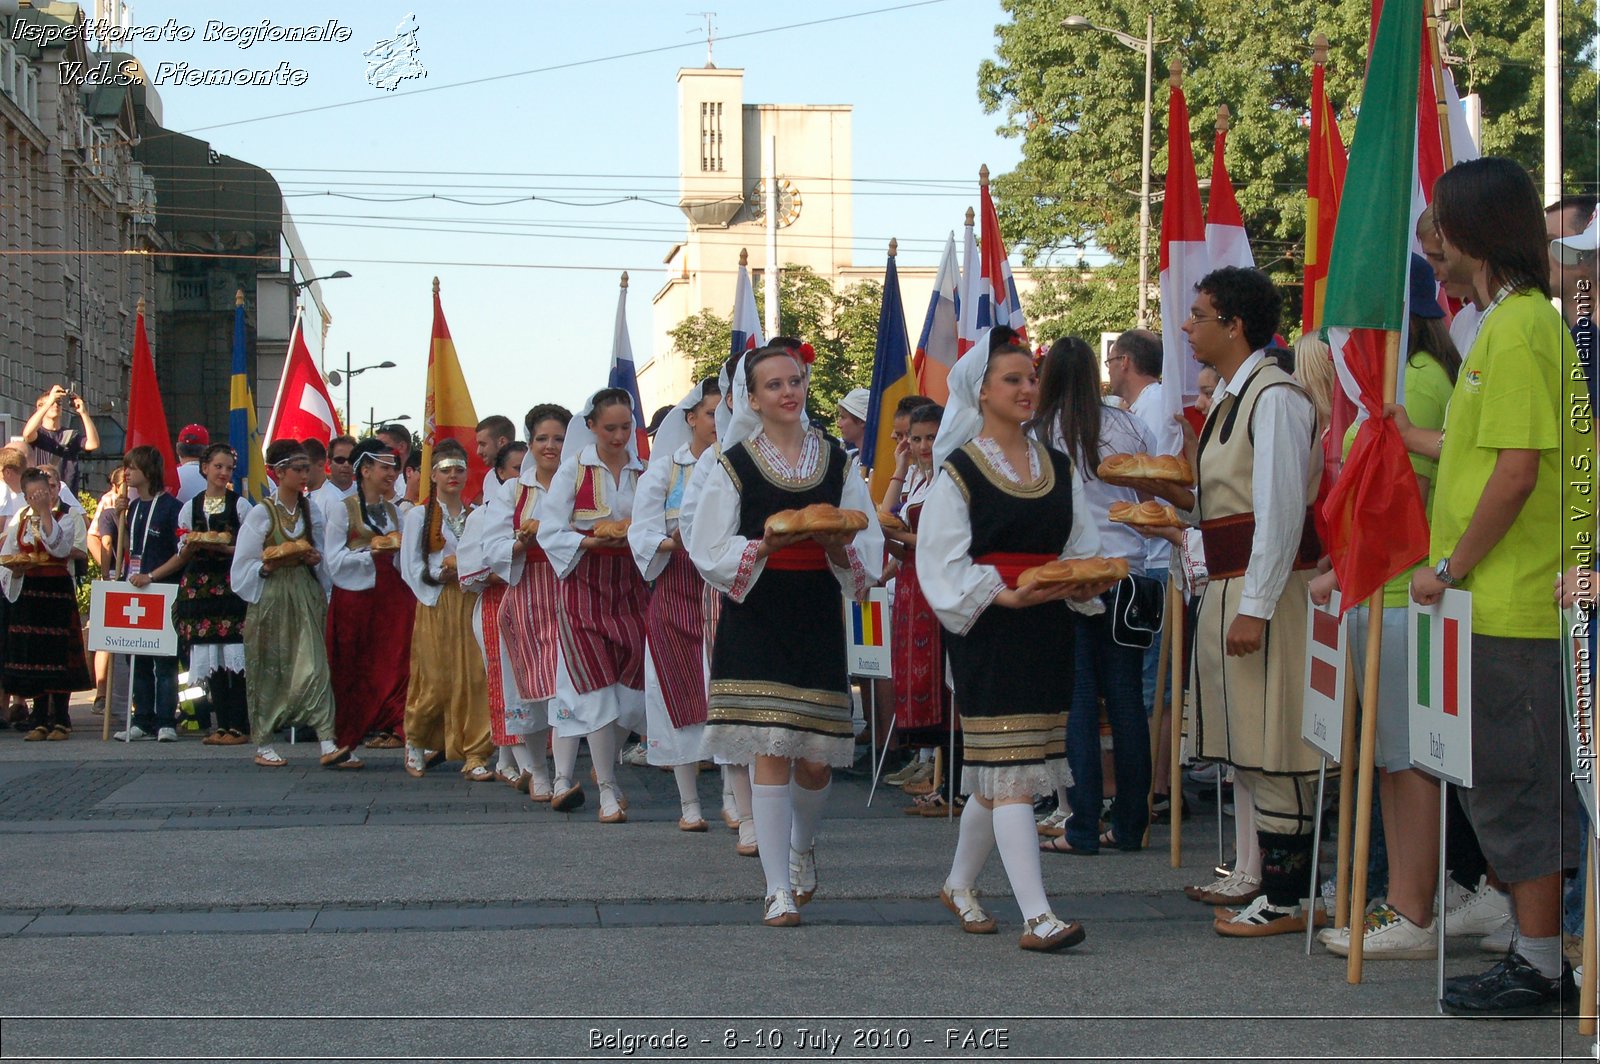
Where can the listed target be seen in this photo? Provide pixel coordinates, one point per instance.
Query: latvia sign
(1439, 682)
(124, 619)
(1322, 712)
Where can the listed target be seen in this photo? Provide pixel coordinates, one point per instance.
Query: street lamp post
(334, 378)
(373, 422)
(1147, 46)
(336, 275)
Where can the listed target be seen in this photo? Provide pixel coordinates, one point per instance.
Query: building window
(710, 136)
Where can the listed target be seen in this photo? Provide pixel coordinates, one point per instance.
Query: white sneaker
(636, 756)
(1388, 936)
(781, 910)
(1496, 941)
(803, 874)
(167, 735)
(1475, 912)
(132, 734)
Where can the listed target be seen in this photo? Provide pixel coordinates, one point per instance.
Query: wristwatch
(1443, 573)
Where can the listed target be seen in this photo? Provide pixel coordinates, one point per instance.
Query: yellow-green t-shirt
(1427, 396)
(1520, 388)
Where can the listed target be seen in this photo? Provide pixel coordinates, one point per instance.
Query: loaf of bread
(387, 543)
(610, 529)
(530, 527)
(1150, 514)
(25, 560)
(1075, 571)
(818, 517)
(293, 551)
(891, 522)
(1169, 467)
(210, 539)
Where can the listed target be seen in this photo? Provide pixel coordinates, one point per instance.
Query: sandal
(350, 763)
(539, 792)
(964, 903)
(478, 774)
(275, 761)
(1108, 840)
(1061, 845)
(1049, 932)
(781, 910)
(336, 756)
(565, 799)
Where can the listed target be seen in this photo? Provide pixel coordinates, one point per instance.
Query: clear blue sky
(533, 335)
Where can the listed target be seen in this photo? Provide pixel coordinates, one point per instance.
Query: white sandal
(1049, 932)
(803, 874)
(781, 910)
(964, 903)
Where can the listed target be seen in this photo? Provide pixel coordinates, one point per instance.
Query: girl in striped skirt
(600, 678)
(780, 693)
(675, 644)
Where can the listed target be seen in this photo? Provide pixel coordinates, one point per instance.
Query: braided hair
(364, 450)
(281, 451)
(432, 537)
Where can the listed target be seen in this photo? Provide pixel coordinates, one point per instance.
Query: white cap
(1570, 250)
(856, 402)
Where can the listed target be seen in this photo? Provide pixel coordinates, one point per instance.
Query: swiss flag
(127, 610)
(303, 409)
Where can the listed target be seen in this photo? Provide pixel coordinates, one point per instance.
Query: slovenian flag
(249, 472)
(866, 619)
(622, 372)
(747, 334)
(892, 381)
(937, 346)
(1185, 259)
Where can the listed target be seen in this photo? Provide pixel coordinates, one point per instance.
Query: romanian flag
(147, 419)
(1375, 518)
(892, 380)
(866, 623)
(447, 411)
(249, 474)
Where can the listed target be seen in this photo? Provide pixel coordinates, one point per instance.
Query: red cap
(195, 434)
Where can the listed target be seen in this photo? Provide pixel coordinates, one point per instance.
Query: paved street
(201, 908)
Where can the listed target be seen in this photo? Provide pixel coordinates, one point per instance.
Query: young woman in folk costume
(675, 643)
(1000, 504)
(447, 699)
(780, 692)
(44, 657)
(527, 619)
(921, 700)
(484, 561)
(600, 678)
(372, 611)
(278, 570)
(208, 615)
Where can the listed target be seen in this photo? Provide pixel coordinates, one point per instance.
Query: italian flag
(1376, 523)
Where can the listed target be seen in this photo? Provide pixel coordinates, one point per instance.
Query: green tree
(840, 324)
(1075, 100)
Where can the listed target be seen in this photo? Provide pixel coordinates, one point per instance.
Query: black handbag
(1137, 606)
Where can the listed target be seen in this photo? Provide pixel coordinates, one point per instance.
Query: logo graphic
(395, 60)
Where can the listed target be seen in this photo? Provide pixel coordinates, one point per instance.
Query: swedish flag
(250, 474)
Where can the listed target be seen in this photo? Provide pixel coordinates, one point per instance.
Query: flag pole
(1347, 791)
(1158, 716)
(1175, 608)
(1369, 724)
(1436, 62)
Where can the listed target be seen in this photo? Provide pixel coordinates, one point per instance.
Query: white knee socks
(566, 751)
(688, 790)
(1246, 845)
(774, 817)
(1018, 842)
(739, 779)
(973, 846)
(807, 814)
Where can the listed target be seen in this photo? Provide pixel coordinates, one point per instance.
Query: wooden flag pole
(1369, 725)
(1586, 1003)
(111, 670)
(1347, 794)
(1175, 709)
(1436, 54)
(1158, 707)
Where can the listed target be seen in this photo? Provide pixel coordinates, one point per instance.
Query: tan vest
(360, 537)
(1228, 450)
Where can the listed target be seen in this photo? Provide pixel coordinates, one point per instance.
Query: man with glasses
(341, 479)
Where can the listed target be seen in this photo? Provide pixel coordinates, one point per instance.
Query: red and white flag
(303, 409)
(1226, 241)
(146, 613)
(1184, 259)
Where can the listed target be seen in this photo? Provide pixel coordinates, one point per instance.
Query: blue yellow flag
(250, 474)
(892, 380)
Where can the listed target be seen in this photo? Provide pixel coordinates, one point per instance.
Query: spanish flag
(448, 412)
(1324, 185)
(892, 380)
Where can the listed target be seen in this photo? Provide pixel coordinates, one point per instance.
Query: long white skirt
(573, 715)
(667, 745)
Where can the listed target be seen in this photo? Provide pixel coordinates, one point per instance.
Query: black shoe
(1161, 809)
(1512, 987)
(1044, 806)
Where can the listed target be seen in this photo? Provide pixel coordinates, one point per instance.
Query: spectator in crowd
(494, 432)
(52, 443)
(340, 482)
(317, 451)
(192, 444)
(507, 463)
(398, 440)
(852, 418)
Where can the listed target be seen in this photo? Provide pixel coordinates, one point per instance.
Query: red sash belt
(532, 552)
(1227, 543)
(47, 570)
(610, 552)
(1012, 566)
(805, 556)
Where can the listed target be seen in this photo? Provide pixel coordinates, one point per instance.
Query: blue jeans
(1106, 670)
(155, 693)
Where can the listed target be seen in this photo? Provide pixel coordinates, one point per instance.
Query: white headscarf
(963, 420)
(743, 422)
(674, 431)
(580, 435)
(724, 413)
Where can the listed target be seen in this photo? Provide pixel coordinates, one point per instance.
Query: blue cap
(1424, 289)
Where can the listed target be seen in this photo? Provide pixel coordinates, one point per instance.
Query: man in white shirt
(493, 434)
(341, 479)
(399, 441)
(192, 443)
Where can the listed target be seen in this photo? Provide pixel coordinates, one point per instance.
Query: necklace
(458, 523)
